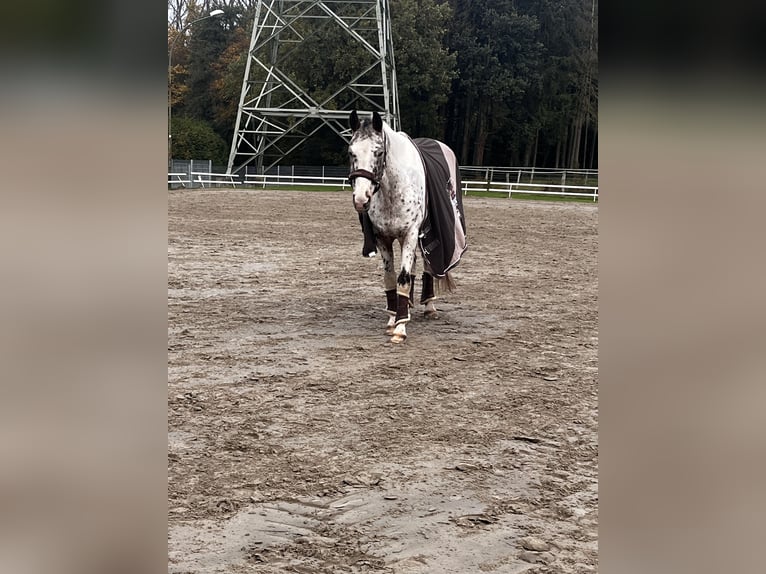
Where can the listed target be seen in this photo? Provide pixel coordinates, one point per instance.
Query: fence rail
(495, 173)
(213, 178)
(263, 180)
(530, 189)
(580, 183)
(178, 179)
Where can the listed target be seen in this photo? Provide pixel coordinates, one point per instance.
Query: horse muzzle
(363, 192)
(361, 206)
(364, 185)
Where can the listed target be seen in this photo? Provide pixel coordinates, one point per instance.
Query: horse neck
(398, 144)
(399, 151)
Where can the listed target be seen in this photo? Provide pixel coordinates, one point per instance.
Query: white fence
(561, 176)
(509, 189)
(264, 180)
(213, 179)
(507, 181)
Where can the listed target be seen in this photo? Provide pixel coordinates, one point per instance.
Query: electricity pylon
(278, 111)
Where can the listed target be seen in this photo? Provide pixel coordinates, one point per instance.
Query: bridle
(366, 174)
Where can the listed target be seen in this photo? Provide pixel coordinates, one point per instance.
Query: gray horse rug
(443, 233)
(442, 236)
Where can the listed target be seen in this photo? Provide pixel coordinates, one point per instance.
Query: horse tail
(446, 283)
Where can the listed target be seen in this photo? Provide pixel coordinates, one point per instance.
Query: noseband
(367, 175)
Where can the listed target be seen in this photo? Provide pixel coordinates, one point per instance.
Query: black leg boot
(402, 309)
(427, 292)
(391, 301)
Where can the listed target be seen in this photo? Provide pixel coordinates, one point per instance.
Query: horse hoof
(430, 315)
(389, 331)
(398, 339)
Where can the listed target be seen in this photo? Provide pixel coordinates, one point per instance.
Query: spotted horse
(408, 191)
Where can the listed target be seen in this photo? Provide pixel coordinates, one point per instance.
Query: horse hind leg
(427, 295)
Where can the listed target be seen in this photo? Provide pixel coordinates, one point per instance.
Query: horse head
(367, 158)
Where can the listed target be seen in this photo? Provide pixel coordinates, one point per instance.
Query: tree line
(503, 82)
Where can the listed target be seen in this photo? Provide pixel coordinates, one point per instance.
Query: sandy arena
(301, 440)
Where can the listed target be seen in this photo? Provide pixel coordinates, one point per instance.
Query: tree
(567, 98)
(498, 62)
(424, 66)
(176, 13)
(208, 41)
(195, 139)
(501, 81)
(228, 71)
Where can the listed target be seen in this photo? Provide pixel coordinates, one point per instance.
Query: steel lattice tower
(278, 111)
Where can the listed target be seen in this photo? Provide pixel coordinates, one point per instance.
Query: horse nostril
(360, 206)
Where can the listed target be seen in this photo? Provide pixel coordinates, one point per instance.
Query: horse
(389, 175)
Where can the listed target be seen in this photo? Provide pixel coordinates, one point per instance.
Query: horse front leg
(404, 285)
(389, 282)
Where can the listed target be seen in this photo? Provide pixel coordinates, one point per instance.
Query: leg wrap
(391, 301)
(402, 309)
(427, 292)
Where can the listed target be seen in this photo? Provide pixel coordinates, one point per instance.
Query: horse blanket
(443, 233)
(442, 236)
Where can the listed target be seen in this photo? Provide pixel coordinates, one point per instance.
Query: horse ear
(354, 121)
(377, 122)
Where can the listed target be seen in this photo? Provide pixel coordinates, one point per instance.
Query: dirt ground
(301, 440)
